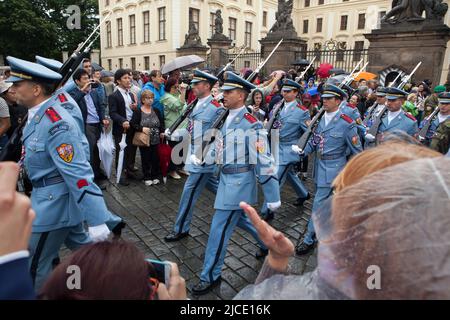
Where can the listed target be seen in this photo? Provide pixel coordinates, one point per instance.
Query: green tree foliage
(39, 27)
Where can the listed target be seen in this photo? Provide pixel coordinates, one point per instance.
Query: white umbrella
(184, 62)
(122, 146)
(106, 150)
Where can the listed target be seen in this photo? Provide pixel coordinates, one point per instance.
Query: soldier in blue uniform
(62, 97)
(200, 120)
(334, 139)
(65, 100)
(64, 195)
(352, 111)
(243, 155)
(374, 110)
(440, 117)
(293, 120)
(394, 119)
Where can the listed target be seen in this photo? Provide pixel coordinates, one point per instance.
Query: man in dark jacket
(93, 111)
(122, 103)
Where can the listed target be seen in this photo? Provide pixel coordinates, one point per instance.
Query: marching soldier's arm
(414, 129)
(304, 120)
(68, 155)
(265, 166)
(352, 139)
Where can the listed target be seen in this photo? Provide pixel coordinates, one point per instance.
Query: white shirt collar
(34, 110)
(393, 115)
(233, 113)
(329, 116)
(123, 91)
(441, 117)
(202, 100)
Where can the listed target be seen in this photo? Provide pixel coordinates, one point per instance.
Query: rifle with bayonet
(373, 131)
(221, 72)
(423, 132)
(252, 76)
(300, 77)
(315, 121)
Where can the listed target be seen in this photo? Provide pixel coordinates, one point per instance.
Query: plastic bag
(106, 149)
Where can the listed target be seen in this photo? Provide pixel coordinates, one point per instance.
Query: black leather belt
(331, 157)
(45, 182)
(234, 170)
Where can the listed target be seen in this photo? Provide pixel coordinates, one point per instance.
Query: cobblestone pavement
(150, 214)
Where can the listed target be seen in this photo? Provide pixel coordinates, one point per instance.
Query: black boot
(300, 201)
(175, 236)
(269, 216)
(304, 248)
(204, 287)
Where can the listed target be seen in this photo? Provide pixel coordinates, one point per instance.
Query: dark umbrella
(96, 67)
(337, 71)
(301, 62)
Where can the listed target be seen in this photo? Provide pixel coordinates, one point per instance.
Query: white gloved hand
(273, 205)
(175, 136)
(99, 233)
(195, 161)
(167, 133)
(296, 149)
(369, 137)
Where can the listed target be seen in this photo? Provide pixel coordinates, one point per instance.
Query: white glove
(296, 149)
(99, 233)
(195, 161)
(175, 136)
(273, 205)
(370, 137)
(167, 133)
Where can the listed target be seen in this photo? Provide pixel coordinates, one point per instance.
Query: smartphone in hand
(162, 270)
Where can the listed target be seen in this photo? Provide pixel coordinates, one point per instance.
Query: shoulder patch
(409, 115)
(302, 107)
(62, 98)
(347, 118)
(250, 118)
(52, 115)
(215, 103)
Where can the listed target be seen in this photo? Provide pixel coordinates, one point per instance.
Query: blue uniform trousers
(45, 246)
(193, 187)
(322, 194)
(287, 172)
(222, 227)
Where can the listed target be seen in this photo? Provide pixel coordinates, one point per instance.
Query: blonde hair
(376, 159)
(147, 94)
(411, 96)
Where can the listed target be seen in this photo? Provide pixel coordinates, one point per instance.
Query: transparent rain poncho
(386, 237)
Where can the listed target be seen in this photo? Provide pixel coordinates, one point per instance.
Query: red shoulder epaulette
(302, 107)
(215, 103)
(347, 118)
(409, 115)
(52, 115)
(351, 106)
(250, 118)
(62, 98)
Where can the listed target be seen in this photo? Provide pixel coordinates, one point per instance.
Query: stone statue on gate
(412, 10)
(218, 22)
(284, 24)
(218, 28)
(192, 38)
